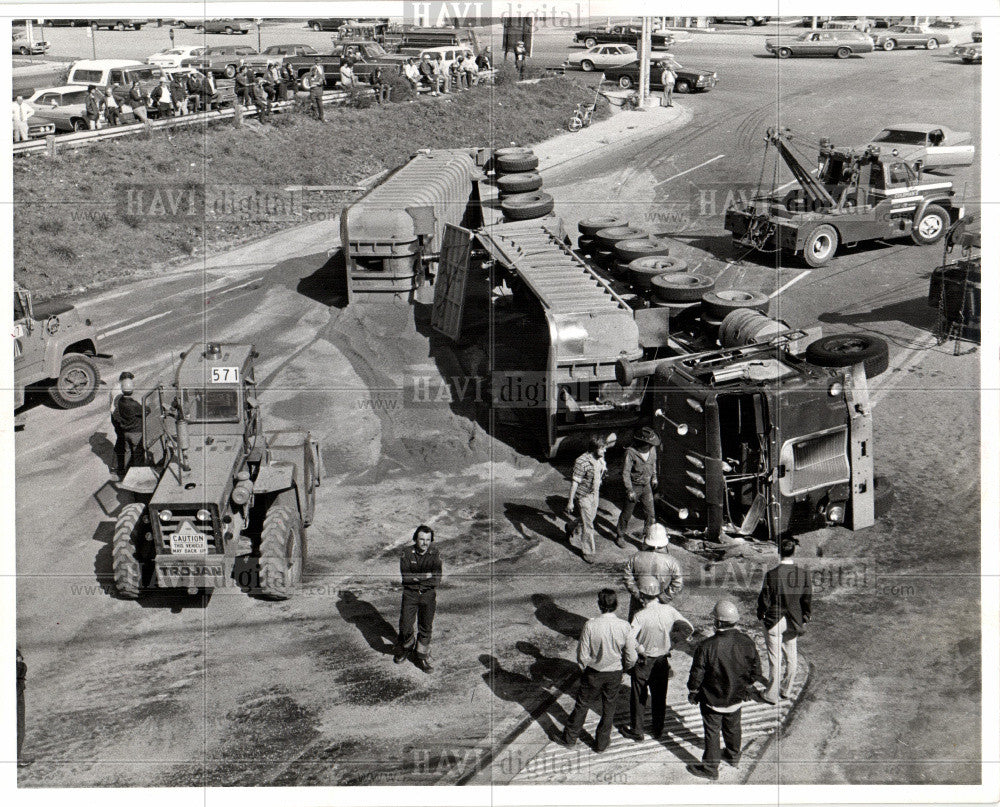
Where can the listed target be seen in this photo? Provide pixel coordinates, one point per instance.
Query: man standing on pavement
(607, 647)
(585, 494)
(785, 606)
(127, 420)
(652, 627)
(722, 672)
(420, 567)
(653, 560)
(667, 78)
(639, 476)
(20, 112)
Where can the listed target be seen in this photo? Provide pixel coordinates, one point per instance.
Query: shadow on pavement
(104, 449)
(915, 313)
(555, 618)
(328, 284)
(377, 631)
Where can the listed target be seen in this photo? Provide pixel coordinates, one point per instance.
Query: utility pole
(645, 45)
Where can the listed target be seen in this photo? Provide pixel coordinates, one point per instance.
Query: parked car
(909, 36)
(945, 22)
(66, 23)
(21, 45)
(177, 57)
(62, 107)
(224, 26)
(446, 55)
(932, 144)
(118, 25)
(820, 43)
(39, 125)
(689, 79)
(277, 53)
(969, 52)
(977, 36)
(327, 23)
(602, 57)
(101, 72)
(222, 60)
(848, 24)
(365, 56)
(621, 34)
(748, 21)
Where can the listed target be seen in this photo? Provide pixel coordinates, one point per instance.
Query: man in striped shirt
(585, 494)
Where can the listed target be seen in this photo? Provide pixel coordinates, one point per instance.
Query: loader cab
(216, 389)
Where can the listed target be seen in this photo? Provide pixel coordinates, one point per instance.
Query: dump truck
(856, 195)
(55, 345)
(218, 499)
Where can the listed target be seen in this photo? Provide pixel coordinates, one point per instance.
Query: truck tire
(586, 245)
(931, 226)
(125, 566)
(282, 551)
(889, 44)
(634, 248)
(842, 53)
(77, 382)
(820, 246)
(681, 287)
(784, 53)
(749, 22)
(847, 349)
(516, 163)
(718, 304)
(590, 227)
(519, 183)
(522, 206)
(610, 236)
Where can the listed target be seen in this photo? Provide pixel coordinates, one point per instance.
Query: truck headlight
(836, 389)
(166, 515)
(203, 515)
(682, 513)
(835, 515)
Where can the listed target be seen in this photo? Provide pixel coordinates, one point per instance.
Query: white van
(101, 72)
(446, 54)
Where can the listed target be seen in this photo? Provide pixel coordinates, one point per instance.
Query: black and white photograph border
(501, 396)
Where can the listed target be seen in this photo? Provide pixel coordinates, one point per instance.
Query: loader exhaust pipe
(628, 371)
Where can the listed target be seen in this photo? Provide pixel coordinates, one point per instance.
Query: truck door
(450, 286)
(29, 341)
(690, 472)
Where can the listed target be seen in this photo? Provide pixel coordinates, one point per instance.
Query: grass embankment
(74, 229)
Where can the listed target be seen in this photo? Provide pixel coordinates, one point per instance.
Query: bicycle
(582, 116)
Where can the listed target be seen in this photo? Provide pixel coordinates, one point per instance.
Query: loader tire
(282, 551)
(719, 303)
(522, 206)
(634, 248)
(516, 163)
(519, 183)
(682, 287)
(125, 565)
(590, 227)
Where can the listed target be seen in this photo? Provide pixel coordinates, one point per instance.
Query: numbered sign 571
(225, 375)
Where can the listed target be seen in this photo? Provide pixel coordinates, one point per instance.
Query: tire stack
(717, 305)
(606, 239)
(681, 292)
(641, 271)
(632, 249)
(587, 242)
(519, 185)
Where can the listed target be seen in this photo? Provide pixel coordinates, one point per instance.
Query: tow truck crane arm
(818, 195)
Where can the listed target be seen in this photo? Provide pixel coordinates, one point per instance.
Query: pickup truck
(366, 56)
(629, 34)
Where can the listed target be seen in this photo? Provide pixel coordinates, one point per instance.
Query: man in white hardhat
(652, 627)
(723, 670)
(653, 559)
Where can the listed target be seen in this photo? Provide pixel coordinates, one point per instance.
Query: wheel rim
(625, 82)
(586, 66)
(75, 385)
(316, 27)
(821, 246)
(590, 43)
(784, 53)
(931, 44)
(930, 226)
(889, 45)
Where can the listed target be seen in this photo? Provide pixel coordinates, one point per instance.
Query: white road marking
(789, 284)
(903, 362)
(132, 325)
(241, 285)
(689, 170)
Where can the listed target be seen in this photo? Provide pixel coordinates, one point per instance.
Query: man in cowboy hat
(652, 627)
(653, 560)
(639, 476)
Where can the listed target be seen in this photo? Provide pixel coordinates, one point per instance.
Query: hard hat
(128, 386)
(649, 585)
(726, 612)
(657, 537)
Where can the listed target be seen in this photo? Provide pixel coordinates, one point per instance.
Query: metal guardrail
(53, 143)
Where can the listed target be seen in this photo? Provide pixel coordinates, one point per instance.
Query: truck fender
(940, 201)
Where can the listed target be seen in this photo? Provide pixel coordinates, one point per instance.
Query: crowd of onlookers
(462, 73)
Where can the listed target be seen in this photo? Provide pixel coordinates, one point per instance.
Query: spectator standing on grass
(317, 82)
(178, 95)
(137, 100)
(260, 100)
(585, 495)
(607, 648)
(161, 97)
(640, 478)
(520, 57)
(112, 111)
(652, 627)
(243, 81)
(785, 606)
(722, 673)
(92, 107)
(667, 78)
(195, 92)
(20, 112)
(287, 83)
(381, 88)
(276, 85)
(420, 568)
(653, 560)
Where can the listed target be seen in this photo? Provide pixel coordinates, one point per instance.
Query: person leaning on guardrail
(287, 81)
(137, 99)
(92, 107)
(260, 100)
(110, 106)
(20, 112)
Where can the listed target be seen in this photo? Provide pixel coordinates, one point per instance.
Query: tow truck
(856, 195)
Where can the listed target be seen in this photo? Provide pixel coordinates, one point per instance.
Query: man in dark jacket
(785, 606)
(137, 99)
(722, 671)
(639, 476)
(92, 107)
(420, 567)
(127, 420)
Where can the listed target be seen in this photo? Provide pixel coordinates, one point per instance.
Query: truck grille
(184, 523)
(815, 462)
